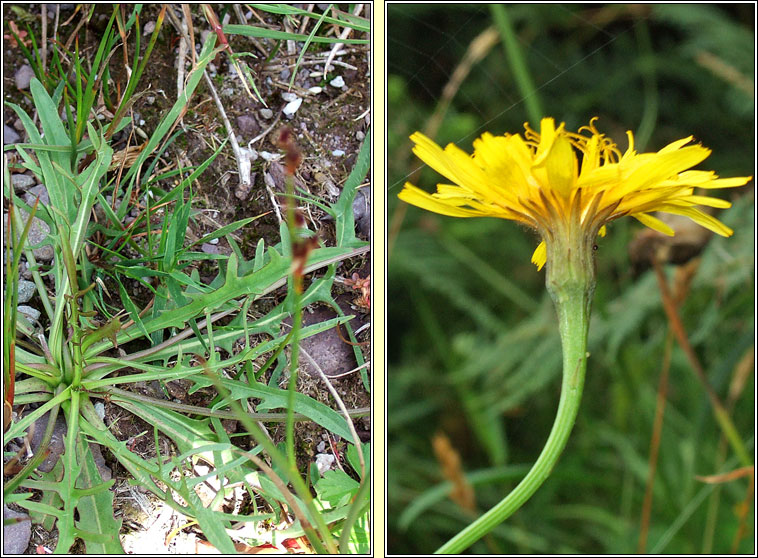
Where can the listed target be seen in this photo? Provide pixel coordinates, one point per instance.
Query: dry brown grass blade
(655, 442)
(682, 282)
(675, 323)
(461, 493)
(727, 477)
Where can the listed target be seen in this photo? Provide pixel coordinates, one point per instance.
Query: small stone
(38, 232)
(100, 409)
(10, 135)
(56, 447)
(23, 269)
(289, 97)
(149, 28)
(18, 125)
(266, 113)
(338, 152)
(359, 135)
(324, 462)
(285, 73)
(213, 241)
(315, 90)
(266, 156)
(337, 82)
(32, 313)
(22, 182)
(38, 191)
(97, 455)
(331, 188)
(360, 205)
(16, 535)
(26, 290)
(247, 125)
(24, 76)
(210, 248)
(362, 212)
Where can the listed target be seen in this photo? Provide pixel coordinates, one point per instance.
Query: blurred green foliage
(473, 346)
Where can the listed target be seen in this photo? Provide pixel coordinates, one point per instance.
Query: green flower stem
(571, 284)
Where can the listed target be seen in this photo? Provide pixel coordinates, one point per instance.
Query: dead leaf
(20, 32)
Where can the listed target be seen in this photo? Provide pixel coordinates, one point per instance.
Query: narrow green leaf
(96, 510)
(343, 209)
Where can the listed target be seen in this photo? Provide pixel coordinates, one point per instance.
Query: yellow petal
(547, 135)
(727, 182)
(673, 146)
(416, 196)
(654, 223)
(561, 166)
(705, 200)
(539, 257)
(703, 219)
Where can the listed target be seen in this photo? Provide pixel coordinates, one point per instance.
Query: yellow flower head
(538, 180)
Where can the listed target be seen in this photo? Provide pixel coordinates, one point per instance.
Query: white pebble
(324, 462)
(32, 313)
(266, 156)
(315, 90)
(289, 97)
(292, 107)
(100, 409)
(337, 82)
(338, 153)
(266, 113)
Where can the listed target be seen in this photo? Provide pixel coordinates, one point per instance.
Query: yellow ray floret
(554, 178)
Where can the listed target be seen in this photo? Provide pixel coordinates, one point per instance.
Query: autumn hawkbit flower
(567, 186)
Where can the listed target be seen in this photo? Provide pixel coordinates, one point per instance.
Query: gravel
(248, 126)
(32, 313)
(338, 82)
(22, 182)
(24, 76)
(10, 135)
(38, 191)
(26, 290)
(38, 232)
(16, 536)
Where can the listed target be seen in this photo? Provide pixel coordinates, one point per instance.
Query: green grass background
(473, 347)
